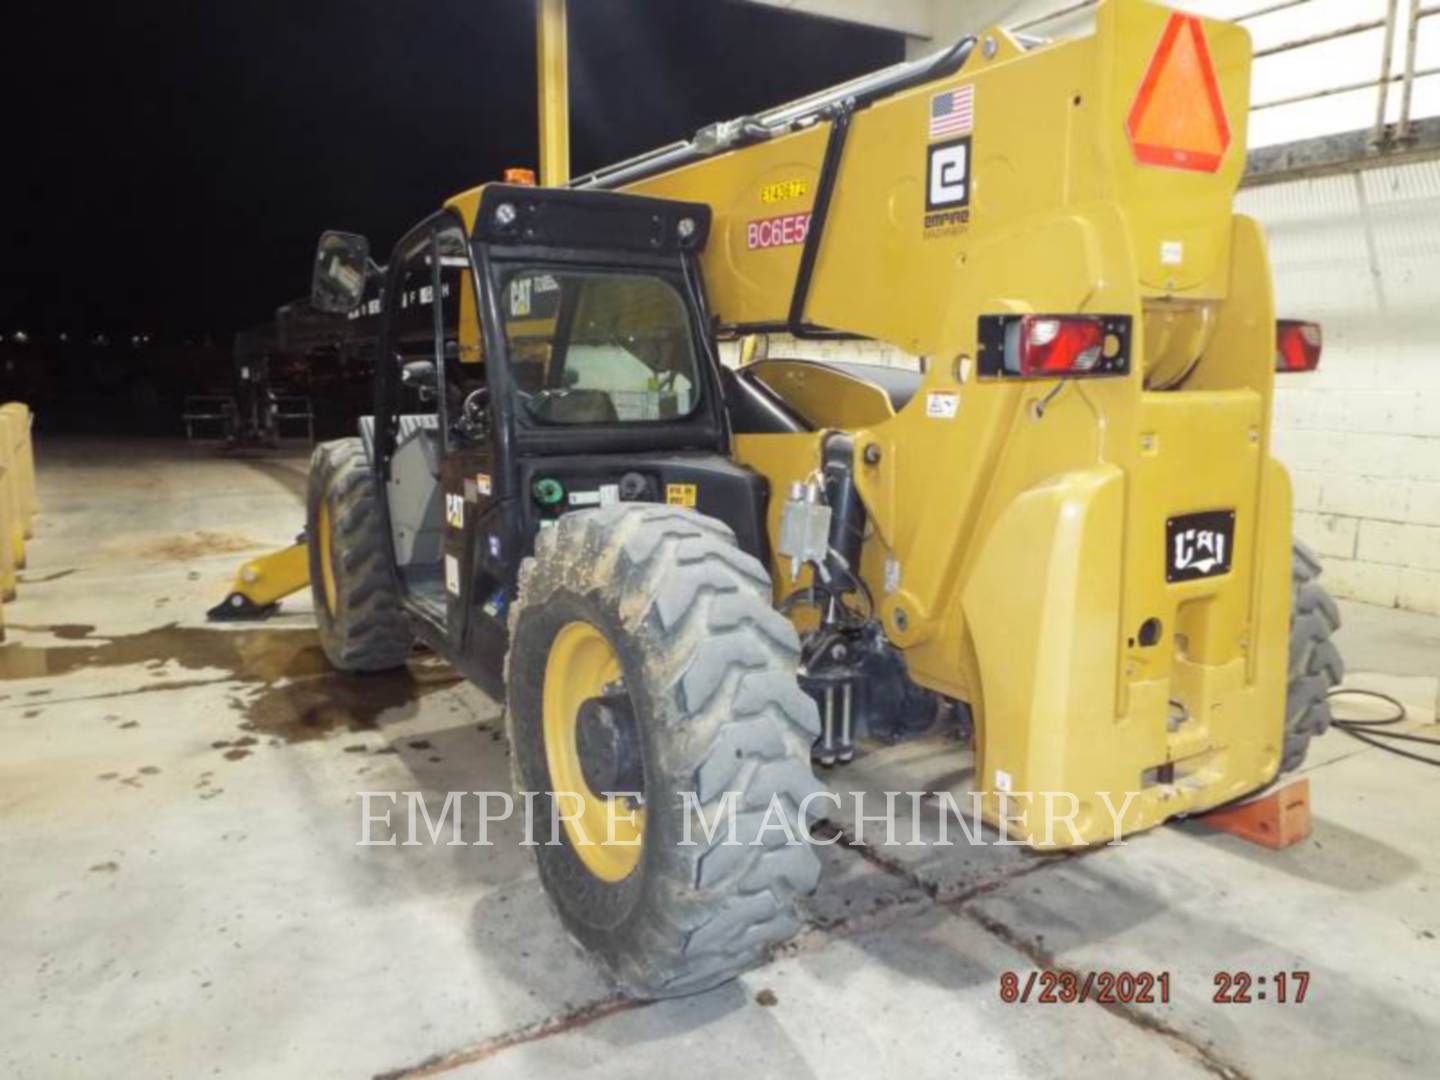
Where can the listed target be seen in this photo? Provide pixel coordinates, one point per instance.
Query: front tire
(357, 605)
(705, 668)
(1315, 663)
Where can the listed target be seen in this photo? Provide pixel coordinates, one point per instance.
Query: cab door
(474, 590)
(409, 420)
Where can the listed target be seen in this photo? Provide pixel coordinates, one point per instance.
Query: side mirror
(420, 375)
(341, 263)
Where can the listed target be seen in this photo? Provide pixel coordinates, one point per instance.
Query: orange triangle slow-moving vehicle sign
(1178, 119)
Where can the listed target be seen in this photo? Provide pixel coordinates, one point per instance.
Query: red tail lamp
(1297, 345)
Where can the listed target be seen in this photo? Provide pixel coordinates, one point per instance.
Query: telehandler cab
(685, 579)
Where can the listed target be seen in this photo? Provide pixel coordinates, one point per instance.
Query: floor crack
(541, 1029)
(826, 830)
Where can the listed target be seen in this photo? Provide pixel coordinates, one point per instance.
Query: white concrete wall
(1361, 254)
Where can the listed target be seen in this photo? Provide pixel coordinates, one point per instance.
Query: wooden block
(1276, 819)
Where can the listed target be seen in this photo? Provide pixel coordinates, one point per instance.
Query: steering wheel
(475, 412)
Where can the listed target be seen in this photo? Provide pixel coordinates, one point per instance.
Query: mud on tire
(365, 629)
(709, 666)
(1315, 663)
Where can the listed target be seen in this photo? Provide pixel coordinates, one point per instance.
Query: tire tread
(737, 722)
(369, 630)
(1316, 666)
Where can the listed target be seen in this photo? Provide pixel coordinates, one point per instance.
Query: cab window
(599, 348)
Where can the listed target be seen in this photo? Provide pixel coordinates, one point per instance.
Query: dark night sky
(169, 164)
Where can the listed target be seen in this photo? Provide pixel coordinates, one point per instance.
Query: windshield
(592, 347)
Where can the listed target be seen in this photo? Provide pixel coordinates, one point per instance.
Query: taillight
(1050, 346)
(1058, 345)
(1297, 345)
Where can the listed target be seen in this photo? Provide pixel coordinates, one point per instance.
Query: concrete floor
(183, 896)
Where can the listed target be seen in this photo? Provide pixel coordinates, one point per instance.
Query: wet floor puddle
(286, 689)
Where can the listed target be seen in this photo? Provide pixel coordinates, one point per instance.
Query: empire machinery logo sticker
(948, 161)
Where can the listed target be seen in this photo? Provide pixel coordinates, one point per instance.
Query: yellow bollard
(24, 422)
(7, 550)
(10, 484)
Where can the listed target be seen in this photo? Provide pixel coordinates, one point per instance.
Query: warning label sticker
(942, 404)
(783, 190)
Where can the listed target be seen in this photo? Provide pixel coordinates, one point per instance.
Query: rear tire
(708, 666)
(1315, 663)
(357, 605)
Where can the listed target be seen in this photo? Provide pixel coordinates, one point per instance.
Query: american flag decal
(953, 112)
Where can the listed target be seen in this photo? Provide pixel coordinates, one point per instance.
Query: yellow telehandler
(691, 582)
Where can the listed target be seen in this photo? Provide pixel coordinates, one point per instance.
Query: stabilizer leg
(262, 583)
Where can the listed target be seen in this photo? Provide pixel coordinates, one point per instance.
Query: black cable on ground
(1372, 731)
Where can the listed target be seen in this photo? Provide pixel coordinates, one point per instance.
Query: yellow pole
(553, 62)
(24, 461)
(10, 488)
(9, 525)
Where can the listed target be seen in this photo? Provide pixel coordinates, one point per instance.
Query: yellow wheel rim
(327, 564)
(604, 832)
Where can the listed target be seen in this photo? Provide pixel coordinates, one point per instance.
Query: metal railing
(294, 410)
(208, 416)
(1383, 138)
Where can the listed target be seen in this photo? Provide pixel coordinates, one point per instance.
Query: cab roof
(524, 215)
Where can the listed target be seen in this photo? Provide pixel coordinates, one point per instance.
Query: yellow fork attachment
(262, 583)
